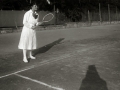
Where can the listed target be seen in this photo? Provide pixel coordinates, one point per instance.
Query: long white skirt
(27, 39)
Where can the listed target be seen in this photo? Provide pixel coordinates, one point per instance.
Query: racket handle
(39, 23)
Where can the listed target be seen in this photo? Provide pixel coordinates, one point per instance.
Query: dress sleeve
(25, 20)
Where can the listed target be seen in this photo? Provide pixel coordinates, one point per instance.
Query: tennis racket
(48, 17)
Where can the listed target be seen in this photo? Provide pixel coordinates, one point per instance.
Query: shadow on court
(92, 80)
(46, 47)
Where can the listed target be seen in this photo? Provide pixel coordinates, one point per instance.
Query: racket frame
(46, 16)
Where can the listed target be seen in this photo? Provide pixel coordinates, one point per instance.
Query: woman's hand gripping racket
(48, 17)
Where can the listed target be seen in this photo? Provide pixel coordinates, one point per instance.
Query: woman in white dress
(28, 40)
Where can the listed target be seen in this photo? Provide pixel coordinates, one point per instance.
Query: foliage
(71, 8)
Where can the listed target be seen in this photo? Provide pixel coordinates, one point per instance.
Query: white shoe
(25, 60)
(32, 57)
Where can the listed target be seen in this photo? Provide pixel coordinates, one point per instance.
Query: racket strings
(48, 17)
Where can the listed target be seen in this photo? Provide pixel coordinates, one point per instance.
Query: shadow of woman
(46, 47)
(92, 80)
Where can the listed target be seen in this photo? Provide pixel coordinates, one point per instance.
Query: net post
(89, 19)
(100, 13)
(109, 13)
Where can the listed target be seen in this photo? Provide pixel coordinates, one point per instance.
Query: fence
(15, 18)
(101, 14)
(110, 13)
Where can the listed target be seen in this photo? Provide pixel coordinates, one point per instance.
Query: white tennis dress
(28, 35)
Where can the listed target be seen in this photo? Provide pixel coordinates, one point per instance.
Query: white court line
(17, 72)
(48, 61)
(39, 82)
(43, 63)
(40, 64)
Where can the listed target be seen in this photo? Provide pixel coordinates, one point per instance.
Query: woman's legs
(30, 55)
(24, 55)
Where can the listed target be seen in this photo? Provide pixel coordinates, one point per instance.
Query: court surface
(86, 58)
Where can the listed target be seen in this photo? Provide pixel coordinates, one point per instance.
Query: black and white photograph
(59, 44)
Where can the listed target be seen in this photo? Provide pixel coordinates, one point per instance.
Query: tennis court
(85, 58)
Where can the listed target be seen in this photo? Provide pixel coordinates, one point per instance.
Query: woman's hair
(32, 4)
